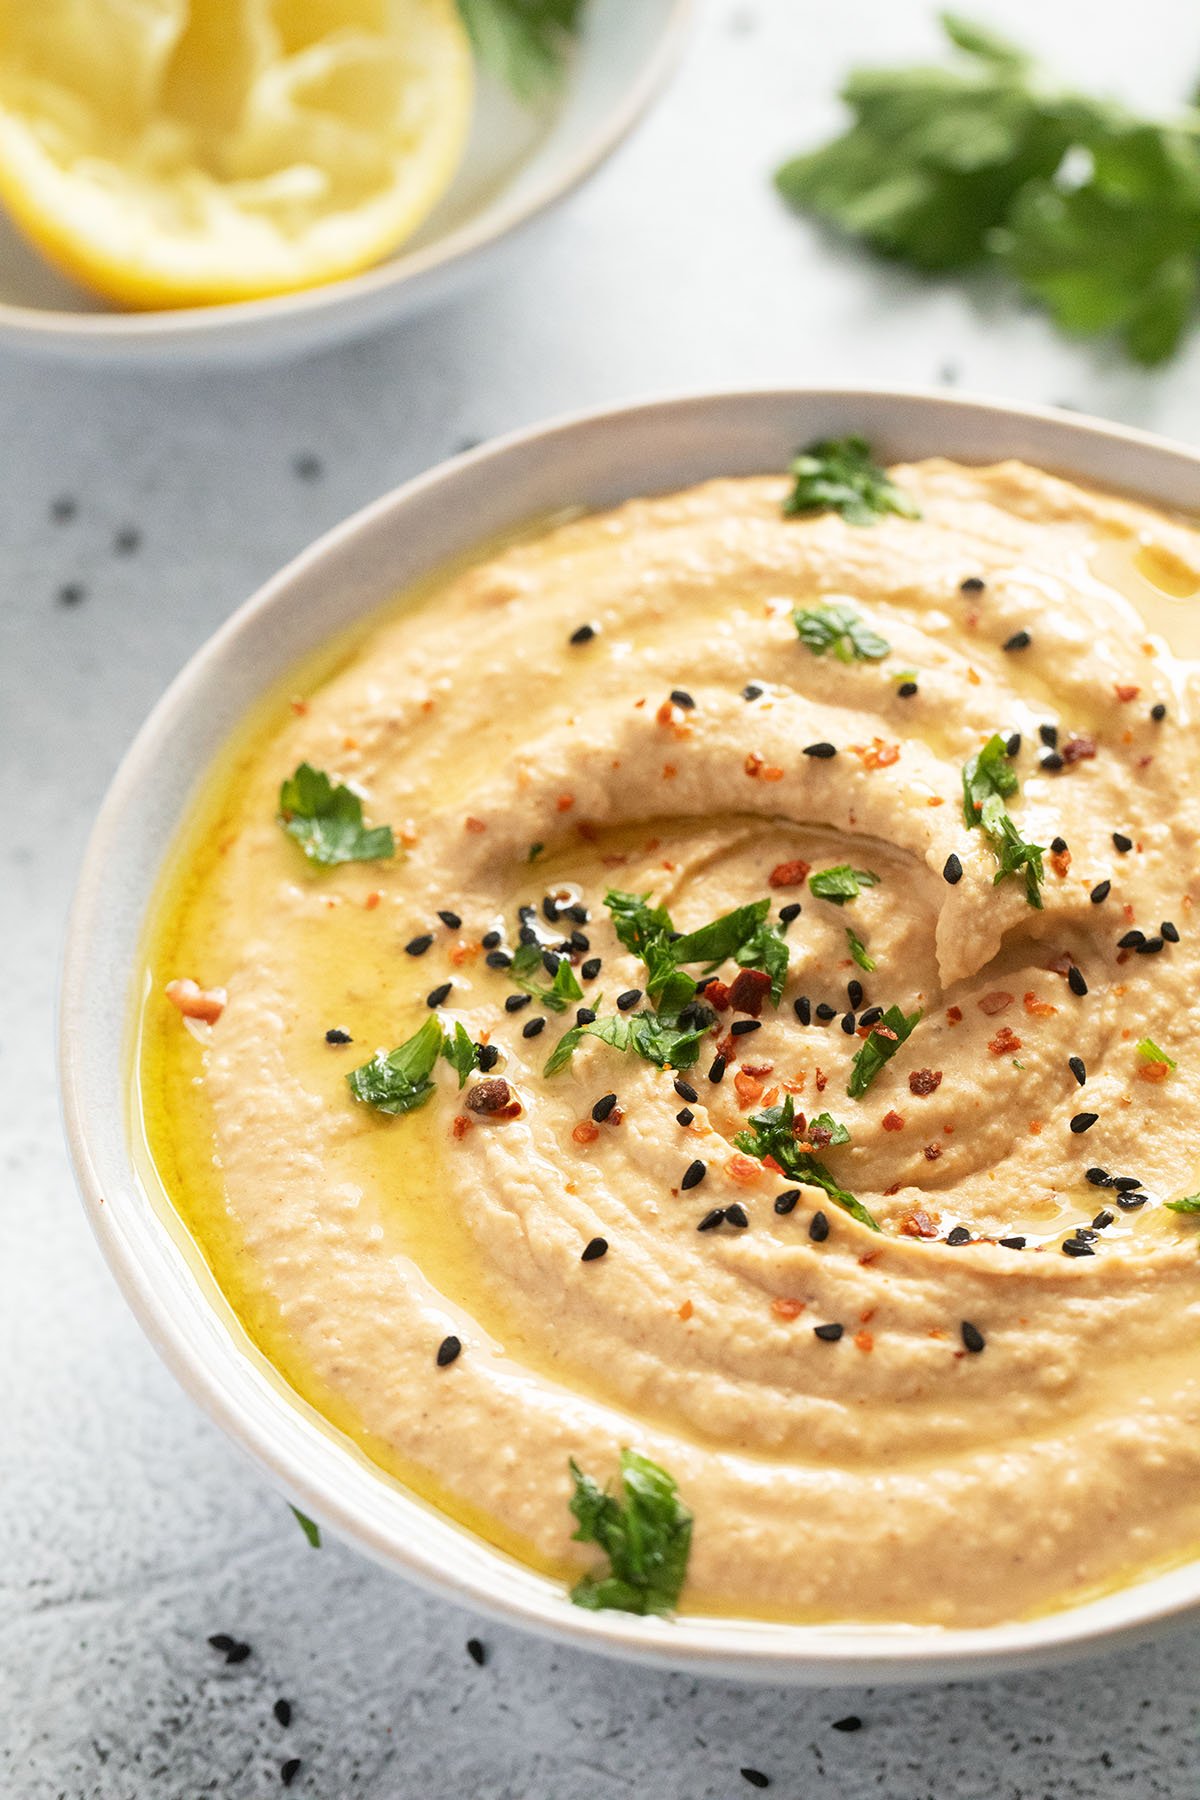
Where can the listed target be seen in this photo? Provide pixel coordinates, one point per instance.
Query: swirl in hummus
(970, 1395)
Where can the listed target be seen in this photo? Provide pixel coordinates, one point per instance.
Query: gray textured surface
(130, 1529)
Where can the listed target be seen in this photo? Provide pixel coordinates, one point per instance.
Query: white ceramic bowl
(592, 460)
(518, 165)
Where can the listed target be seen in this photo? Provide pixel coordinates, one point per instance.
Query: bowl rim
(438, 1554)
(424, 270)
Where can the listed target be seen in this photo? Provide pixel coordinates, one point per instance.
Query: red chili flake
(669, 771)
(772, 772)
(1154, 1071)
(753, 763)
(924, 1081)
(727, 1047)
(1005, 1042)
(564, 803)
(919, 1223)
(787, 1309)
(586, 1132)
(892, 1121)
(195, 1002)
(819, 1137)
(1038, 1009)
(995, 1003)
(788, 874)
(717, 994)
(1124, 691)
(822, 1081)
(743, 1169)
(863, 1341)
(877, 754)
(1082, 748)
(749, 989)
(954, 1015)
(749, 1088)
(299, 707)
(372, 900)
(463, 952)
(757, 1068)
(884, 1031)
(461, 1125)
(475, 825)
(686, 1310)
(932, 1152)
(1060, 862)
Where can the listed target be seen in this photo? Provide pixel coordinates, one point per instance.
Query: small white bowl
(518, 165)
(592, 460)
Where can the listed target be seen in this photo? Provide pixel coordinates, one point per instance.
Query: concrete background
(129, 1530)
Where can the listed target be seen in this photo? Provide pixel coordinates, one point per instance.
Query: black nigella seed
(825, 1012)
(828, 1334)
(1075, 980)
(974, 584)
(418, 946)
(476, 1652)
(680, 697)
(1020, 640)
(580, 941)
(716, 1070)
(550, 963)
(289, 1770)
(736, 1215)
(71, 593)
(1100, 892)
(851, 1722)
(127, 540)
(1058, 845)
(854, 992)
(906, 690)
(1052, 762)
(791, 911)
(450, 920)
(629, 998)
(1074, 1246)
(849, 1024)
(490, 940)
(603, 1107)
(498, 959)
(752, 691)
(684, 1089)
(684, 1116)
(515, 1002)
(1049, 736)
(818, 1228)
(1131, 939)
(439, 995)
(448, 1349)
(1078, 1068)
(952, 870)
(1125, 1184)
(527, 914)
(1151, 947)
(821, 751)
(590, 969)
(1169, 931)
(584, 1015)
(577, 911)
(237, 1653)
(533, 1028)
(1103, 1220)
(335, 1035)
(1131, 1202)
(972, 1337)
(583, 634)
(283, 1711)
(594, 1250)
(755, 1777)
(712, 1219)
(959, 1235)
(221, 1640)
(872, 1016)
(1099, 1177)
(693, 1175)
(1122, 843)
(802, 1007)
(1011, 1243)
(743, 1027)
(1013, 746)
(786, 1202)
(527, 935)
(1158, 711)
(489, 1056)
(63, 510)
(1083, 1122)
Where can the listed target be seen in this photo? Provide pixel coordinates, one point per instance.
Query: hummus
(1009, 1418)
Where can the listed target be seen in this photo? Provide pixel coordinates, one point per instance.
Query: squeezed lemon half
(187, 152)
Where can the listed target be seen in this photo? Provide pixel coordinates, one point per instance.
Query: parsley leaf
(840, 629)
(326, 821)
(1094, 211)
(1147, 1048)
(743, 935)
(988, 780)
(563, 989)
(523, 42)
(885, 1039)
(988, 772)
(858, 951)
(669, 1044)
(309, 1527)
(461, 1053)
(773, 1133)
(1189, 1203)
(838, 475)
(637, 923)
(841, 883)
(646, 1535)
(399, 1081)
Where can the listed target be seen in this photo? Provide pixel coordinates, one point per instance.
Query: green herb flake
(835, 626)
(886, 1038)
(461, 1053)
(1147, 1048)
(988, 780)
(524, 43)
(838, 475)
(535, 850)
(988, 772)
(562, 990)
(1190, 1203)
(646, 1534)
(841, 883)
(309, 1527)
(400, 1081)
(327, 821)
(666, 1043)
(858, 951)
(773, 1133)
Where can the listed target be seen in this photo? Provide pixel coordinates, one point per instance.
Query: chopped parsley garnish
(841, 883)
(563, 989)
(327, 821)
(524, 43)
(773, 1133)
(669, 1044)
(1147, 1048)
(834, 626)
(886, 1037)
(646, 1535)
(838, 475)
(400, 1080)
(461, 1052)
(1190, 1203)
(988, 780)
(858, 951)
(535, 850)
(309, 1527)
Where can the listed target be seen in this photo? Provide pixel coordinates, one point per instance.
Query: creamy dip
(1009, 1418)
